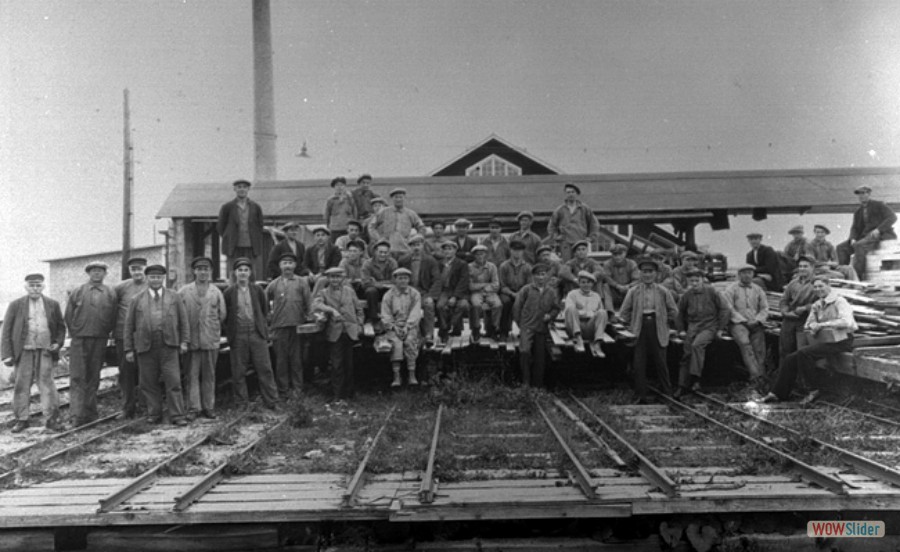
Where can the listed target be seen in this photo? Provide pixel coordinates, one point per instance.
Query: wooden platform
(393, 497)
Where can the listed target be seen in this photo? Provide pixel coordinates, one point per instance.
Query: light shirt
(38, 328)
(245, 306)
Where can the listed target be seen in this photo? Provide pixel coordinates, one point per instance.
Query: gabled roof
(659, 197)
(494, 145)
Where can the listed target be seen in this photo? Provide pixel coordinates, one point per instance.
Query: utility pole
(263, 94)
(127, 202)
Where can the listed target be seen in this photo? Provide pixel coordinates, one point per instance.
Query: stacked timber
(883, 264)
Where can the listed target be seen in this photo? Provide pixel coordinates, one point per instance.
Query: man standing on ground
(749, 310)
(291, 304)
(765, 259)
(525, 235)
(514, 274)
(702, 316)
(290, 244)
(345, 317)
(33, 334)
(245, 327)
(396, 224)
(425, 276)
(572, 222)
(205, 307)
(648, 309)
(156, 331)
(873, 223)
(401, 312)
(128, 371)
(339, 209)
(241, 227)
(535, 308)
(586, 312)
(90, 317)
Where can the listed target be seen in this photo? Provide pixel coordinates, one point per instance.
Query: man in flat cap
(586, 312)
(826, 255)
(90, 317)
(345, 319)
(241, 227)
(397, 223)
(548, 258)
(580, 262)
(126, 291)
(453, 301)
(322, 254)
(620, 273)
(535, 308)
(648, 309)
(873, 222)
(339, 209)
(247, 332)
(525, 235)
(377, 278)
(354, 233)
(33, 333)
(290, 244)
(690, 262)
(425, 276)
(362, 196)
(514, 274)
(401, 313)
(436, 239)
(496, 244)
(206, 312)
(370, 233)
(291, 307)
(749, 311)
(703, 315)
(156, 331)
(464, 242)
(352, 265)
(798, 247)
(484, 285)
(795, 305)
(572, 222)
(765, 259)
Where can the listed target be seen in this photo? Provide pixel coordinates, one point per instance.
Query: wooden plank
(426, 490)
(498, 435)
(188, 539)
(530, 545)
(355, 483)
(28, 540)
(518, 511)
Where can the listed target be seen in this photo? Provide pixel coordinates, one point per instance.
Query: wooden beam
(349, 497)
(426, 490)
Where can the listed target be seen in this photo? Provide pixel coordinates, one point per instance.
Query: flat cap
(359, 244)
(241, 182)
(396, 191)
(796, 229)
(288, 225)
(156, 269)
(746, 267)
(36, 277)
(517, 244)
(355, 223)
(401, 272)
(140, 261)
(449, 243)
(287, 255)
(495, 222)
(863, 190)
(541, 249)
(378, 199)
(478, 248)
(338, 180)
(807, 258)
(618, 248)
(573, 186)
(321, 229)
(364, 176)
(693, 273)
(96, 264)
(334, 271)
(647, 261)
(752, 235)
(381, 242)
(586, 274)
(524, 214)
(201, 260)
(822, 227)
(688, 255)
(540, 267)
(579, 243)
(241, 261)
(461, 222)
(415, 238)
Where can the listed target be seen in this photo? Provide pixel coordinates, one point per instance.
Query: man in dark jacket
(290, 244)
(453, 300)
(322, 255)
(128, 372)
(464, 242)
(536, 307)
(33, 333)
(245, 327)
(426, 278)
(702, 315)
(765, 259)
(156, 331)
(241, 227)
(873, 222)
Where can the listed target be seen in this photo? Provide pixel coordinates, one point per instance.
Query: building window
(493, 166)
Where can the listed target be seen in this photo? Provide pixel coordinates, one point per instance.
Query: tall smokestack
(263, 94)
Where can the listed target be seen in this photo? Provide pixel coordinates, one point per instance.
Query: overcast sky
(399, 87)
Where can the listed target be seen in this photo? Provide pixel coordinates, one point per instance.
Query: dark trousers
(128, 380)
(451, 317)
(161, 362)
(532, 357)
(791, 337)
(859, 249)
(85, 361)
(506, 314)
(373, 302)
(341, 352)
(646, 348)
(250, 348)
(804, 362)
(288, 364)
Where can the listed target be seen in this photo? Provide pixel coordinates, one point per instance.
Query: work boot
(397, 382)
(53, 424)
(208, 414)
(21, 425)
(412, 376)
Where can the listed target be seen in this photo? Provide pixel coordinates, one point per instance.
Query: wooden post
(127, 203)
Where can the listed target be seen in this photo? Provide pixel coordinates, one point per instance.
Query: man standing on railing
(873, 223)
(128, 371)
(33, 334)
